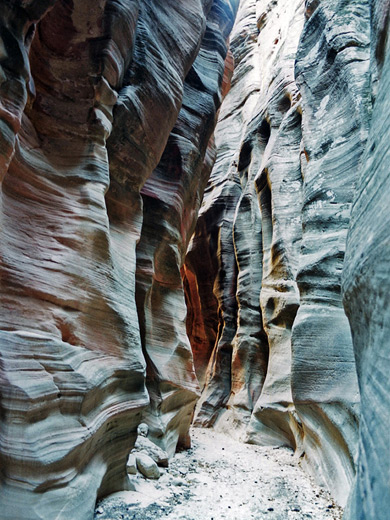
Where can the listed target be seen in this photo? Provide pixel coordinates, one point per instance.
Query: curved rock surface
(335, 117)
(171, 200)
(211, 257)
(90, 94)
(271, 328)
(107, 111)
(250, 229)
(366, 287)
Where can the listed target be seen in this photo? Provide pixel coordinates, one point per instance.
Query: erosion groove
(279, 366)
(193, 229)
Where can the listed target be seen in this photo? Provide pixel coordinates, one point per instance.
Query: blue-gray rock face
(292, 154)
(332, 73)
(366, 285)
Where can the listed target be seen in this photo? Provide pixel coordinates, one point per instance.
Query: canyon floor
(220, 478)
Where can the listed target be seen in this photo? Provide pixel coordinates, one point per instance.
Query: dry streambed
(220, 478)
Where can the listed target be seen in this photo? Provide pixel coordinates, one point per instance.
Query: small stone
(99, 510)
(178, 482)
(147, 466)
(131, 465)
(143, 430)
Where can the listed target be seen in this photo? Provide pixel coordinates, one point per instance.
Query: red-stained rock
(110, 78)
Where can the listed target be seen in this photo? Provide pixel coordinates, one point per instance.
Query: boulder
(147, 466)
(145, 445)
(131, 465)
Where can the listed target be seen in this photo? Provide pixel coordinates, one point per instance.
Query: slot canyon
(194, 219)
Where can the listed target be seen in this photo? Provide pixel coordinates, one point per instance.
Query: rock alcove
(193, 228)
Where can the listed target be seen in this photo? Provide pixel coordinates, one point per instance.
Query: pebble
(215, 476)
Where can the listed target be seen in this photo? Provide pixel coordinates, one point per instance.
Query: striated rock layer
(272, 343)
(91, 95)
(332, 72)
(250, 229)
(107, 111)
(171, 199)
(366, 280)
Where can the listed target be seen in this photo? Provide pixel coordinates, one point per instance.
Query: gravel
(220, 478)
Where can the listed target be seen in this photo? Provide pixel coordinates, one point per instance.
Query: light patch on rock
(131, 465)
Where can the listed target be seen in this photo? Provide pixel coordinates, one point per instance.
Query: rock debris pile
(146, 456)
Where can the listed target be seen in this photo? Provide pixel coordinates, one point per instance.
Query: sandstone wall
(250, 229)
(268, 251)
(366, 288)
(171, 199)
(335, 104)
(107, 112)
(92, 93)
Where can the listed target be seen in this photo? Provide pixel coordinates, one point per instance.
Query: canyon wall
(366, 285)
(99, 100)
(297, 141)
(107, 156)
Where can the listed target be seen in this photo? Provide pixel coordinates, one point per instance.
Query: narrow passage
(220, 478)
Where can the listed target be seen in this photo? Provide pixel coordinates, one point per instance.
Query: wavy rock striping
(210, 257)
(272, 231)
(278, 181)
(252, 212)
(17, 24)
(65, 379)
(335, 108)
(171, 199)
(106, 117)
(109, 80)
(366, 288)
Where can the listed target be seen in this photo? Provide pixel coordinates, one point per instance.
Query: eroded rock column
(171, 200)
(332, 73)
(272, 229)
(106, 87)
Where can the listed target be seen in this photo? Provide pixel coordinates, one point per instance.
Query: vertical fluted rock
(251, 211)
(106, 87)
(332, 72)
(211, 255)
(268, 250)
(171, 200)
(66, 379)
(366, 284)
(17, 27)
(279, 186)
